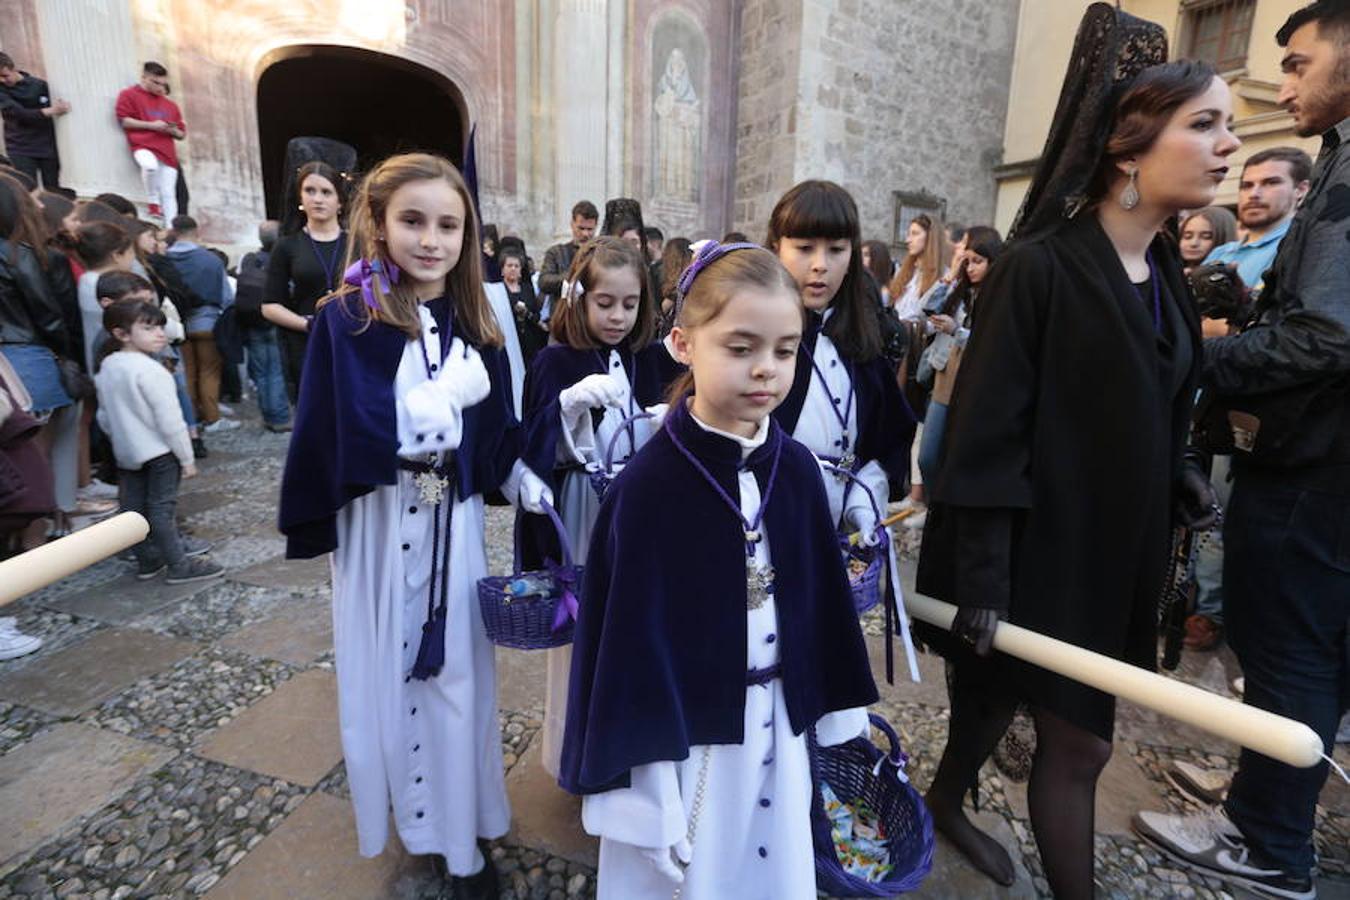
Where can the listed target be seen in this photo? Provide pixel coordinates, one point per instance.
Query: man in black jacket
(1286, 380)
(558, 259)
(30, 113)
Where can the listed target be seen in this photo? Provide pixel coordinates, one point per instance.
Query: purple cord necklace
(758, 579)
(847, 458)
(329, 265)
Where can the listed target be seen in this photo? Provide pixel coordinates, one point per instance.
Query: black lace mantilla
(1112, 47)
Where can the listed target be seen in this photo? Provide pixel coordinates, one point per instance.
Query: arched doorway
(379, 104)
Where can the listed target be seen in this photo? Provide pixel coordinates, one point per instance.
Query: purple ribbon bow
(566, 579)
(363, 272)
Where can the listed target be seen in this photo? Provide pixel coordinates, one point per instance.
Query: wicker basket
(858, 770)
(533, 621)
(601, 474)
(867, 585)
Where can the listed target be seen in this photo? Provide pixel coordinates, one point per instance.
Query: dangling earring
(1129, 198)
(300, 207)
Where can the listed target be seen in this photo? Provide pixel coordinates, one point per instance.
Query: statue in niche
(678, 126)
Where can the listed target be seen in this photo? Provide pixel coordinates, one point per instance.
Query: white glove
(658, 413)
(861, 517)
(663, 859)
(591, 392)
(534, 493)
(464, 376)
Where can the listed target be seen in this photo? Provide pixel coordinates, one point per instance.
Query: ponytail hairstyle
(930, 263)
(98, 242)
(123, 314)
(568, 324)
(395, 304)
(823, 209)
(709, 287)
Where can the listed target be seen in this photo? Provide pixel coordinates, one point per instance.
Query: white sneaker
(8, 623)
(14, 644)
(220, 425)
(225, 409)
(97, 490)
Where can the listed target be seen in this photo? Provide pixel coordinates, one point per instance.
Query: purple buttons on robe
(764, 802)
(771, 638)
(763, 851)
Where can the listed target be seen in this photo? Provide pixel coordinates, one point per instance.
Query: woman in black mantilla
(1063, 467)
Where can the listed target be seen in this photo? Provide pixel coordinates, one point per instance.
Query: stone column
(88, 55)
(580, 86)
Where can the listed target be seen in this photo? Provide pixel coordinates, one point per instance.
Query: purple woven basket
(601, 476)
(531, 622)
(858, 770)
(867, 585)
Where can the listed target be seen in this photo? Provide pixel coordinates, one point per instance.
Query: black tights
(1061, 796)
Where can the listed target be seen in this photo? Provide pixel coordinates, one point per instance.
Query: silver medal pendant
(758, 584)
(430, 487)
(846, 462)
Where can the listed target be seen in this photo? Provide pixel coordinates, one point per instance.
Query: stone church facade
(705, 110)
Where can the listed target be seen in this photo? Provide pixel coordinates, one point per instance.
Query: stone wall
(878, 95)
(767, 109)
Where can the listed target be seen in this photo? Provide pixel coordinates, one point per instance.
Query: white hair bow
(571, 290)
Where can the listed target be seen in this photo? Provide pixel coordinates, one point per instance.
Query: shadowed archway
(380, 104)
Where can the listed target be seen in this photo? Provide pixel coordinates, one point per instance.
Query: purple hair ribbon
(364, 272)
(708, 252)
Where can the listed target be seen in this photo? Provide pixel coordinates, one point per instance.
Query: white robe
(819, 429)
(582, 444)
(753, 834)
(430, 749)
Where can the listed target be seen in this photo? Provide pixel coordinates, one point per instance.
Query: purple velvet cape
(884, 428)
(345, 441)
(658, 662)
(554, 369)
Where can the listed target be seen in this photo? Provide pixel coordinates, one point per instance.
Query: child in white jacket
(138, 409)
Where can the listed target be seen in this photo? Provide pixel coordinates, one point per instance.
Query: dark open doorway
(377, 103)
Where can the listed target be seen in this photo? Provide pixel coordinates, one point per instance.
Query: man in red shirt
(152, 123)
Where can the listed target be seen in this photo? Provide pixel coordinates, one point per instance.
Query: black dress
(533, 335)
(1063, 450)
(300, 272)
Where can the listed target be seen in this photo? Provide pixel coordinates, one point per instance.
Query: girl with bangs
(582, 395)
(405, 421)
(844, 404)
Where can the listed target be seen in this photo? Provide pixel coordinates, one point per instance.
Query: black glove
(1197, 506)
(975, 627)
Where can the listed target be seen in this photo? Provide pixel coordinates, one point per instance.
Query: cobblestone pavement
(175, 742)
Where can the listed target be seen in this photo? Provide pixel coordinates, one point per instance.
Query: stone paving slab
(313, 854)
(953, 877)
(1122, 790)
(543, 815)
(189, 504)
(299, 634)
(521, 677)
(85, 674)
(67, 772)
(280, 572)
(292, 734)
(124, 599)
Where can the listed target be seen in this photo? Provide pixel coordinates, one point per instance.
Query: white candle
(1274, 736)
(43, 565)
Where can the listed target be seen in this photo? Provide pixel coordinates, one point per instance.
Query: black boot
(482, 886)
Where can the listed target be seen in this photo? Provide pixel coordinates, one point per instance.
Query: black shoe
(199, 449)
(482, 886)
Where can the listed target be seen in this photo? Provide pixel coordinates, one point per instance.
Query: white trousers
(161, 183)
